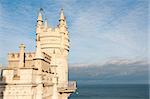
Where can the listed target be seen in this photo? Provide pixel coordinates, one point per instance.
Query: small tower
(38, 52)
(38, 32)
(39, 23)
(62, 22)
(39, 20)
(62, 17)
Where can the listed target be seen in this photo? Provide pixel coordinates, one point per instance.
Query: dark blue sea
(111, 91)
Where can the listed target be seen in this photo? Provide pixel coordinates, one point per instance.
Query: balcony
(69, 88)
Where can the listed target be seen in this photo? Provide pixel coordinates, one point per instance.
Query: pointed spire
(39, 21)
(46, 24)
(40, 15)
(62, 20)
(62, 16)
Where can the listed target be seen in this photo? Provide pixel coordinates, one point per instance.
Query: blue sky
(100, 30)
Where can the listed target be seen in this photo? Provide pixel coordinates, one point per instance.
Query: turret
(38, 53)
(39, 19)
(62, 20)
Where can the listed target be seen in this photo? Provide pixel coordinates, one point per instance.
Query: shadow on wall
(2, 84)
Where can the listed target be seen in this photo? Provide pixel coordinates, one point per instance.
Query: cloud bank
(112, 72)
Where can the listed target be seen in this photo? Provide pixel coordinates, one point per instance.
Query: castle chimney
(22, 55)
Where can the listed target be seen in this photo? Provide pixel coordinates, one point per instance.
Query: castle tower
(55, 40)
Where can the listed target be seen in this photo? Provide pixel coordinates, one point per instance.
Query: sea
(111, 91)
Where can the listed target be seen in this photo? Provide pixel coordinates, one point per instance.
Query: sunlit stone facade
(42, 74)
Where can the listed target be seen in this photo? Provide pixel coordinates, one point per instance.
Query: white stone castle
(42, 74)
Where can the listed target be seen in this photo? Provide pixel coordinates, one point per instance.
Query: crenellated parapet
(16, 56)
(29, 55)
(14, 59)
(53, 38)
